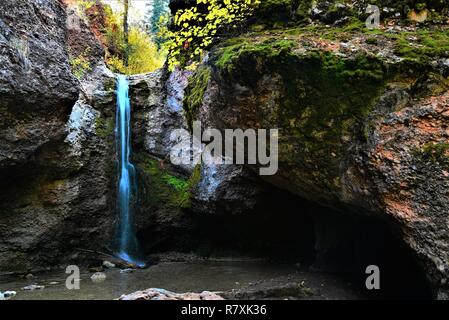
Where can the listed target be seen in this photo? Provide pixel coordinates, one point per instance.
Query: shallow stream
(177, 277)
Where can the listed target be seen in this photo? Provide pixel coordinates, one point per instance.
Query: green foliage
(83, 6)
(80, 66)
(159, 13)
(113, 32)
(143, 55)
(177, 183)
(182, 188)
(86, 4)
(198, 26)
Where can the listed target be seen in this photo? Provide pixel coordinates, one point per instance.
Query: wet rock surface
(227, 190)
(296, 286)
(161, 294)
(7, 295)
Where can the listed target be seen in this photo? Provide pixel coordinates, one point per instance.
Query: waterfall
(127, 241)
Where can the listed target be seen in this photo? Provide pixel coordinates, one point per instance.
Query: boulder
(98, 277)
(7, 295)
(161, 294)
(359, 131)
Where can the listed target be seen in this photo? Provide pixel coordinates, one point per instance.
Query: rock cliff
(363, 138)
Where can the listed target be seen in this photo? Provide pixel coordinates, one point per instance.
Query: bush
(80, 66)
(143, 55)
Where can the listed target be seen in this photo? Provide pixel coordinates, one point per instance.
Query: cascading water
(126, 242)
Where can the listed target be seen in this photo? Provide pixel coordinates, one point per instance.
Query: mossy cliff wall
(361, 117)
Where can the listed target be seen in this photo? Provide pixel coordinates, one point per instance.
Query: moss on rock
(167, 189)
(436, 153)
(194, 93)
(277, 13)
(104, 128)
(423, 45)
(321, 100)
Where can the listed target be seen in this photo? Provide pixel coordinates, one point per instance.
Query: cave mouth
(287, 229)
(346, 244)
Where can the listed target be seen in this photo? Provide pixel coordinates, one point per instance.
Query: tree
(126, 30)
(154, 11)
(148, 15)
(160, 7)
(196, 28)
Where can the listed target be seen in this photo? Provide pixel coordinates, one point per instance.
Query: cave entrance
(346, 244)
(286, 228)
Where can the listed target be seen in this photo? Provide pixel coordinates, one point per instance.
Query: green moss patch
(420, 46)
(104, 128)
(423, 45)
(436, 153)
(322, 101)
(236, 49)
(167, 189)
(323, 94)
(194, 93)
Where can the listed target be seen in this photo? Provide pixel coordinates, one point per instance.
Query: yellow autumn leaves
(143, 55)
(196, 28)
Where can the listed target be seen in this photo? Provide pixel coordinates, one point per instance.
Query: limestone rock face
(164, 189)
(227, 189)
(365, 137)
(61, 198)
(35, 77)
(56, 141)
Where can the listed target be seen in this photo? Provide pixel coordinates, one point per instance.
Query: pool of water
(175, 276)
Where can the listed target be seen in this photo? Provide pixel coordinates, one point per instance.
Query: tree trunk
(126, 30)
